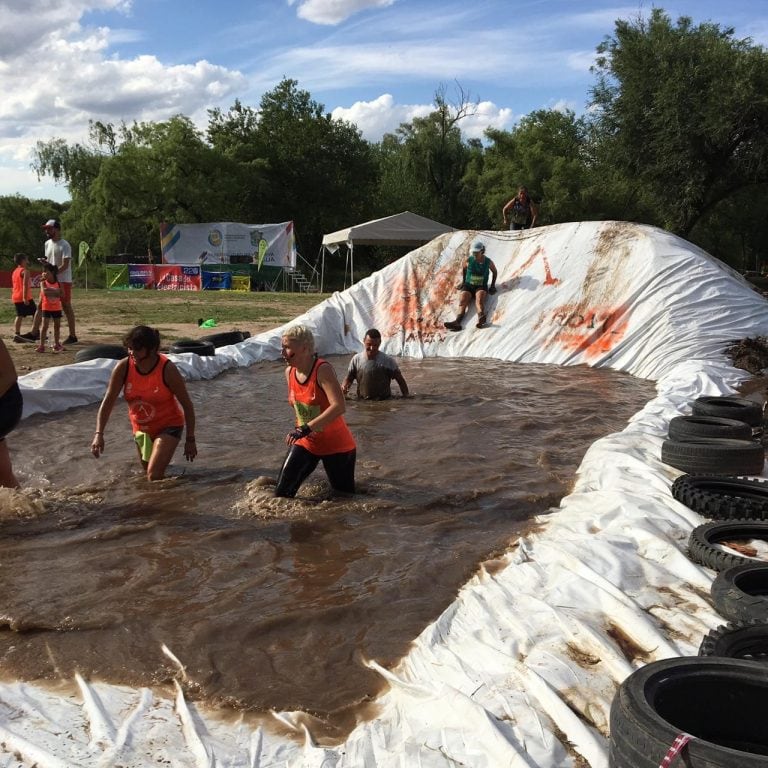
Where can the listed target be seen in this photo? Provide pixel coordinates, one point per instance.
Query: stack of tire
(206, 346)
(723, 435)
(708, 711)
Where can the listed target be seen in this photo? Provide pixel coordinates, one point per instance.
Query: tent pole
(351, 264)
(322, 267)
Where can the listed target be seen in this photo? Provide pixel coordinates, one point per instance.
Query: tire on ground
(741, 593)
(101, 351)
(723, 498)
(202, 348)
(692, 427)
(704, 542)
(719, 702)
(741, 640)
(729, 407)
(225, 338)
(715, 455)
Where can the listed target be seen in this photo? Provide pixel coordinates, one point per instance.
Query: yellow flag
(84, 250)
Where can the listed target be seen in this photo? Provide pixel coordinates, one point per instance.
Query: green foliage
(21, 223)
(683, 116)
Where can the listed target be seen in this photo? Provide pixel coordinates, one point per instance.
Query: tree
(422, 164)
(547, 152)
(682, 113)
(317, 171)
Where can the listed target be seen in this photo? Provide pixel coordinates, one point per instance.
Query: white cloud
(382, 115)
(333, 12)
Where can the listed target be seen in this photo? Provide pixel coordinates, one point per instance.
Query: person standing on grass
(59, 252)
(321, 433)
(159, 406)
(11, 404)
(21, 294)
(50, 307)
(373, 371)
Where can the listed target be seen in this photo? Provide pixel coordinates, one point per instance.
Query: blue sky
(376, 63)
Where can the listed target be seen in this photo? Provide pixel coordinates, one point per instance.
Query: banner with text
(174, 277)
(271, 245)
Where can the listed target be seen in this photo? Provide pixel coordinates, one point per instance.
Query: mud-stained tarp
(521, 669)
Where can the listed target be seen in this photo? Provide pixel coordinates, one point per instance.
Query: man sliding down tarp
(521, 669)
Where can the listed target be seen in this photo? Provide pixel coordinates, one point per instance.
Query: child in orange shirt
(50, 305)
(21, 294)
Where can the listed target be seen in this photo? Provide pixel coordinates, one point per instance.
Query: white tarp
(521, 669)
(226, 242)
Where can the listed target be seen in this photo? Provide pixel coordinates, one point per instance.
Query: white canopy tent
(404, 228)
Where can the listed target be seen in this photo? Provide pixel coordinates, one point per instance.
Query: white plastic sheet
(521, 669)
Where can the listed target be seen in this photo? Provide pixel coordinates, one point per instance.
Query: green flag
(84, 249)
(262, 251)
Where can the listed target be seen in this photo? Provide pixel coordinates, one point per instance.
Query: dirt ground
(751, 355)
(26, 359)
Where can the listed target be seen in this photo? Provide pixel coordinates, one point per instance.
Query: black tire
(741, 593)
(714, 455)
(202, 348)
(723, 498)
(101, 351)
(743, 640)
(693, 427)
(225, 338)
(704, 539)
(720, 702)
(729, 407)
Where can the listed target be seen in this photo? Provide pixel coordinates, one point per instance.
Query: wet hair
(373, 333)
(142, 337)
(18, 258)
(300, 334)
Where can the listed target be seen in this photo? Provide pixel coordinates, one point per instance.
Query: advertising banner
(176, 278)
(141, 276)
(217, 281)
(271, 245)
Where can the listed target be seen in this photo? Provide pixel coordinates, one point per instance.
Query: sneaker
(17, 338)
(455, 325)
(58, 348)
(70, 339)
(40, 348)
(30, 336)
(481, 319)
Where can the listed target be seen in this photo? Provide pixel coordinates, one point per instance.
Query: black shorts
(25, 310)
(55, 314)
(473, 289)
(11, 405)
(300, 463)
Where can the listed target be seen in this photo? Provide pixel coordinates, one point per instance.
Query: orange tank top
(309, 400)
(47, 303)
(152, 407)
(17, 291)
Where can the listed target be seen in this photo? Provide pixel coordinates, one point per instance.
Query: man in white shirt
(59, 252)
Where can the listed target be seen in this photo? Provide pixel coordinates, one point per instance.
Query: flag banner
(273, 245)
(84, 251)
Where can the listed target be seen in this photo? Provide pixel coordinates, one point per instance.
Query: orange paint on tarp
(594, 330)
(408, 312)
(511, 281)
(548, 280)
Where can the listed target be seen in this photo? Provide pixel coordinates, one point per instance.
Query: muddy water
(273, 603)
